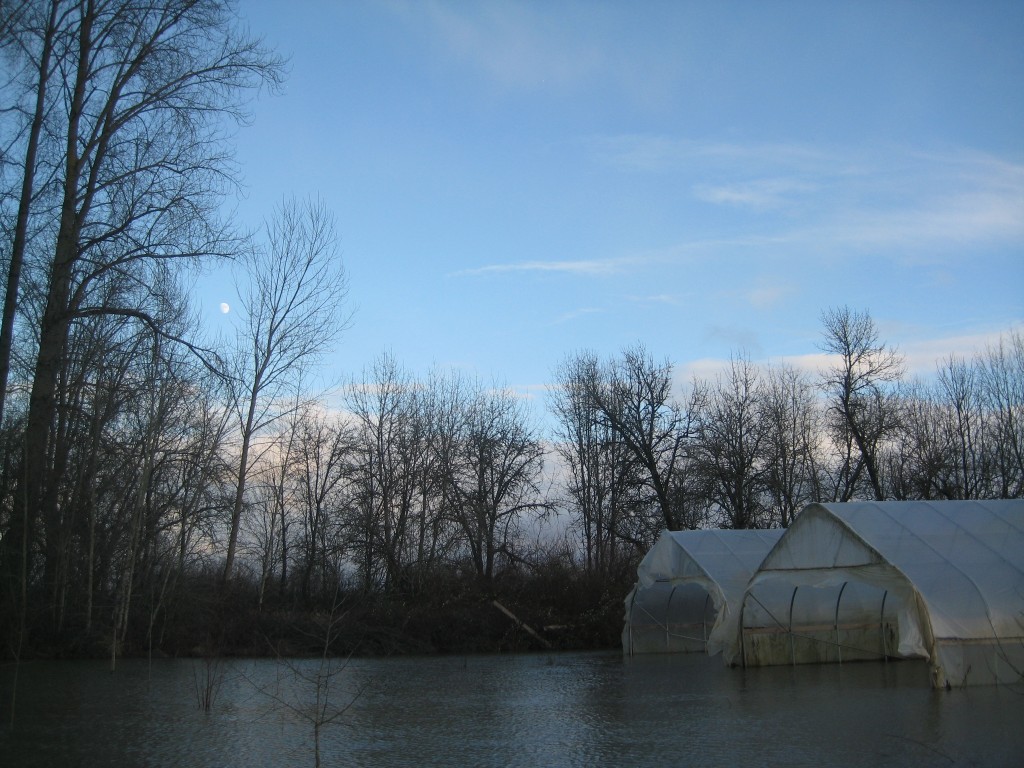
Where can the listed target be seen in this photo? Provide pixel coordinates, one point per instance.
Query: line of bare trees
(751, 446)
(407, 479)
(404, 479)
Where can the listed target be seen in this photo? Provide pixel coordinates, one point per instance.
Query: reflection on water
(550, 710)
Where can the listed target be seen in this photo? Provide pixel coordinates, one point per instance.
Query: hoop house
(941, 580)
(688, 590)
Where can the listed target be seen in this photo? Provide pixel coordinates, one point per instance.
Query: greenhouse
(939, 580)
(688, 590)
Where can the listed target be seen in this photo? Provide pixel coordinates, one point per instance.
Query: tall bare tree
(862, 400)
(633, 397)
(1001, 368)
(325, 454)
(961, 408)
(732, 447)
(28, 34)
(270, 526)
(129, 168)
(396, 479)
(293, 302)
(793, 423)
(491, 459)
(601, 472)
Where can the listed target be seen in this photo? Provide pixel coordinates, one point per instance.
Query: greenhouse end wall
(941, 580)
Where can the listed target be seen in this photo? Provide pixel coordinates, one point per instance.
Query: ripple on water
(545, 709)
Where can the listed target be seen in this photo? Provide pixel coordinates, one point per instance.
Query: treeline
(751, 446)
(161, 491)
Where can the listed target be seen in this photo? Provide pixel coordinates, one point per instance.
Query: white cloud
(768, 295)
(514, 44)
(920, 356)
(575, 314)
(704, 369)
(959, 219)
(834, 196)
(760, 194)
(630, 263)
(578, 267)
(662, 298)
(924, 354)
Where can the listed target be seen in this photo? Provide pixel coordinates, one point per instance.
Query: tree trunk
(24, 205)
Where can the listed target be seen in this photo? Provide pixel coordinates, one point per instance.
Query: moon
(225, 307)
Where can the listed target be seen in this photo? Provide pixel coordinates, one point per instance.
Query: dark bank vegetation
(162, 493)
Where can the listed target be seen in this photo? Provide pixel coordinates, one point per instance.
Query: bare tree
(121, 431)
(434, 535)
(966, 426)
(293, 304)
(633, 397)
(862, 401)
(601, 473)
(732, 447)
(324, 456)
(273, 498)
(195, 480)
(1001, 368)
(395, 476)
(916, 460)
(28, 35)
(793, 426)
(126, 183)
(318, 677)
(490, 459)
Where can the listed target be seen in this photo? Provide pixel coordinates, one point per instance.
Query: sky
(516, 182)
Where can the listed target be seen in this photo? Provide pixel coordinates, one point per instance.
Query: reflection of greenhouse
(943, 581)
(688, 591)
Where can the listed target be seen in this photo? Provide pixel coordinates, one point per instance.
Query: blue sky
(513, 182)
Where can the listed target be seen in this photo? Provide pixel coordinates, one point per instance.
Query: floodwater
(566, 709)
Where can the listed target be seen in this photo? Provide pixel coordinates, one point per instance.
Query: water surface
(571, 709)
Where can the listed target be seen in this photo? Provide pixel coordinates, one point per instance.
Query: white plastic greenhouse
(688, 590)
(873, 580)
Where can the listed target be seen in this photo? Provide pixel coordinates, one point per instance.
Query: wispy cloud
(669, 299)
(924, 209)
(547, 47)
(884, 196)
(647, 153)
(957, 218)
(760, 194)
(576, 314)
(632, 262)
(513, 44)
(597, 267)
(770, 293)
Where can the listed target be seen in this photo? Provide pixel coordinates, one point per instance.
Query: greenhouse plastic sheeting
(688, 588)
(945, 578)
